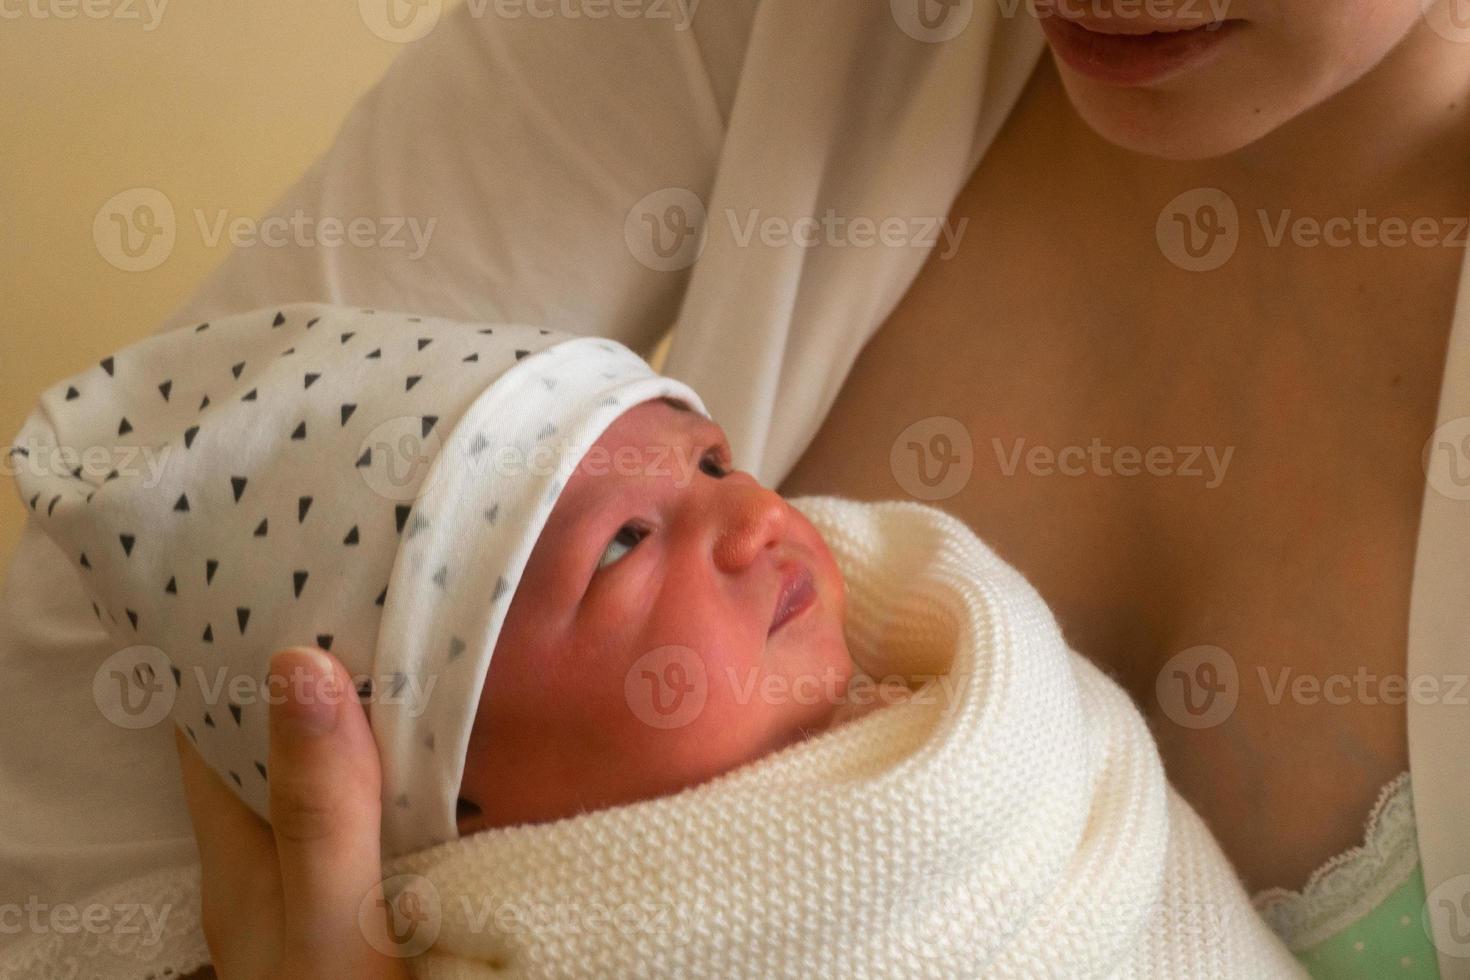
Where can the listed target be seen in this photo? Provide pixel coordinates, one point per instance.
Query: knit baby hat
(368, 482)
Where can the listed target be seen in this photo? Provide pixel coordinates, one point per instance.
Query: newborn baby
(519, 541)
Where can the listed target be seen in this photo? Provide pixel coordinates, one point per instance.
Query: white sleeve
(519, 146)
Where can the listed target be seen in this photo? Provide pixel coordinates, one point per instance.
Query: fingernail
(312, 693)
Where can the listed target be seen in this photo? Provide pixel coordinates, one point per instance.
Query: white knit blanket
(1009, 819)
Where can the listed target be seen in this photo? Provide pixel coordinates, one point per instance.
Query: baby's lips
(798, 591)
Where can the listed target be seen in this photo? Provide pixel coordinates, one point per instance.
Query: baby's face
(648, 647)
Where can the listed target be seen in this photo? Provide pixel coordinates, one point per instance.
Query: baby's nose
(751, 518)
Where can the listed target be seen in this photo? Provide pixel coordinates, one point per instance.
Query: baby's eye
(715, 464)
(628, 535)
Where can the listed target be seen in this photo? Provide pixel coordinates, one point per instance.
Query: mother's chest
(1166, 470)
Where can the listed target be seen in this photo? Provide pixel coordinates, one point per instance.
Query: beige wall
(218, 106)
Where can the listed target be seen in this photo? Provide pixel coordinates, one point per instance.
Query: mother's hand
(282, 901)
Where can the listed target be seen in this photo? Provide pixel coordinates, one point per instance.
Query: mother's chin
(1222, 74)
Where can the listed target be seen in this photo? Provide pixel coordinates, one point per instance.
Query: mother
(1168, 359)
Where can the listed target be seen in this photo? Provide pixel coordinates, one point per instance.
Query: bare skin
(1061, 320)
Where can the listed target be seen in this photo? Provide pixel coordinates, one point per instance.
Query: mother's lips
(798, 592)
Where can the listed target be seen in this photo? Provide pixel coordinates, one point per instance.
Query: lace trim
(156, 935)
(1354, 883)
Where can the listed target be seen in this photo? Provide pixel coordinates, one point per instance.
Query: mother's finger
(240, 884)
(325, 813)
(235, 846)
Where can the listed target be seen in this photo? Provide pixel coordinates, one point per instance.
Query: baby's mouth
(798, 593)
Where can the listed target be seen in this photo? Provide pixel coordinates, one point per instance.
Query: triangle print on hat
(248, 501)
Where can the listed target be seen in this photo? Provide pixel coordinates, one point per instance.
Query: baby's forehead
(652, 442)
(656, 426)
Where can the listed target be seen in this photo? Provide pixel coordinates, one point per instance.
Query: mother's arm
(285, 901)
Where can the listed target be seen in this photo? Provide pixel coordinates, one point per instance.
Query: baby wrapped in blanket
(623, 695)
